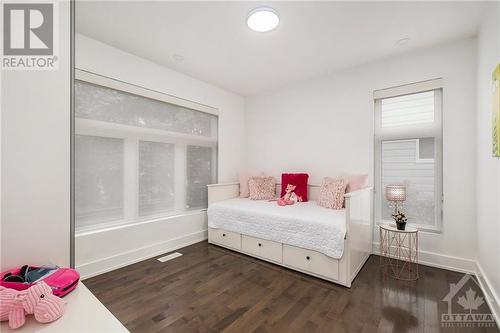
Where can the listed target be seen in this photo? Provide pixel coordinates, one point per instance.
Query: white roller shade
(408, 110)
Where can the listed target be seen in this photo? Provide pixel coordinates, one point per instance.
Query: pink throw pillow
(262, 188)
(243, 179)
(356, 182)
(331, 193)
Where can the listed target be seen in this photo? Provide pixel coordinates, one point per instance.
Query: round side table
(399, 252)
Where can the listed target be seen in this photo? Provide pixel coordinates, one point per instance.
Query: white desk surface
(84, 313)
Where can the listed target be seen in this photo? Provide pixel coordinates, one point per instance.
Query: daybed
(326, 243)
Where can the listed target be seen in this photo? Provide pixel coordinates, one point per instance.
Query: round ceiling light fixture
(263, 19)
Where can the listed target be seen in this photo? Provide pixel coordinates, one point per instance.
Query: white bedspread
(305, 224)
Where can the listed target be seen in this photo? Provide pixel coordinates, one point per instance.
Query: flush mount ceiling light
(263, 19)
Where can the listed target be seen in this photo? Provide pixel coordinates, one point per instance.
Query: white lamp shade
(395, 193)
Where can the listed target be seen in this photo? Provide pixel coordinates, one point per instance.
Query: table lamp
(396, 194)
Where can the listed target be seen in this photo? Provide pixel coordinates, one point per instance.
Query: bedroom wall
(488, 167)
(114, 247)
(35, 161)
(325, 126)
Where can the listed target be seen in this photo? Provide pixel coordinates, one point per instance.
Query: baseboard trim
(457, 264)
(489, 292)
(123, 259)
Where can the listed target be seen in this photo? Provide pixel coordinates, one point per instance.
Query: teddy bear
(290, 197)
(37, 300)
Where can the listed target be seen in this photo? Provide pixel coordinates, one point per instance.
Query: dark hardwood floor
(211, 289)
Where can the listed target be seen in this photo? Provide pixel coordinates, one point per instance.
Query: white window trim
(131, 136)
(421, 130)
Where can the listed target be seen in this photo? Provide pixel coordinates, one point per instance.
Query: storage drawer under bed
(310, 261)
(225, 238)
(262, 248)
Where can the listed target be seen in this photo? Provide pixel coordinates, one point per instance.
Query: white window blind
(113, 106)
(156, 177)
(408, 110)
(99, 179)
(200, 171)
(139, 158)
(400, 166)
(408, 141)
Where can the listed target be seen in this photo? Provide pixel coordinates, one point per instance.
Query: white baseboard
(462, 265)
(490, 293)
(107, 264)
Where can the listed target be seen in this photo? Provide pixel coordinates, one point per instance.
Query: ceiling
(211, 42)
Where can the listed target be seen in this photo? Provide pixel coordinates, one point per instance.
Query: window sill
(120, 224)
(423, 228)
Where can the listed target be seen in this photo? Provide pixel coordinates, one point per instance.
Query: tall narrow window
(138, 157)
(409, 152)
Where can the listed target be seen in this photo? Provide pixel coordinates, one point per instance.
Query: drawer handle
(223, 235)
(260, 244)
(308, 258)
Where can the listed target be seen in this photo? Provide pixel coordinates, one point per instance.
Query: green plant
(399, 217)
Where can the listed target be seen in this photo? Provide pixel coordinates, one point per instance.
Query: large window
(408, 151)
(139, 157)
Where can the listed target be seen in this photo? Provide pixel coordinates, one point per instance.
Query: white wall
(488, 167)
(325, 127)
(36, 161)
(111, 248)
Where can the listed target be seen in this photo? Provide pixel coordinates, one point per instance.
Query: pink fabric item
(37, 300)
(331, 193)
(262, 188)
(297, 179)
(244, 190)
(356, 182)
(11, 308)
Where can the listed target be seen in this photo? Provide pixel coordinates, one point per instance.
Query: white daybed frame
(357, 246)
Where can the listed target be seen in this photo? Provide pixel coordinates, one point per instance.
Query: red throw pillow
(297, 179)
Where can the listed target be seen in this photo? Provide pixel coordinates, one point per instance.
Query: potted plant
(400, 220)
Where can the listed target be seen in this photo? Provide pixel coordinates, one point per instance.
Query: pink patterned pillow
(262, 188)
(331, 193)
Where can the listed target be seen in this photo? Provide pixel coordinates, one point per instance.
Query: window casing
(408, 150)
(139, 155)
